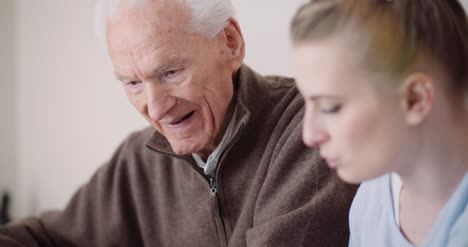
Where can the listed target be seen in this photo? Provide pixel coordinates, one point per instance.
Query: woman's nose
(315, 138)
(314, 133)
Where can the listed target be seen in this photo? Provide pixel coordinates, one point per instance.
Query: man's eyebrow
(167, 66)
(122, 78)
(161, 69)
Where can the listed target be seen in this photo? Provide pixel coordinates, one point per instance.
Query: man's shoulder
(271, 93)
(133, 154)
(275, 106)
(136, 142)
(269, 86)
(139, 137)
(278, 81)
(280, 87)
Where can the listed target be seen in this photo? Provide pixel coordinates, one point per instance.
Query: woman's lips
(332, 163)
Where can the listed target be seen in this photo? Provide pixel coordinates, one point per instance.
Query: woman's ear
(417, 97)
(235, 43)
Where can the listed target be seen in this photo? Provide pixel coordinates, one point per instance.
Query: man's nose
(159, 102)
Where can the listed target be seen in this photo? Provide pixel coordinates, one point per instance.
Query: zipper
(215, 204)
(218, 219)
(213, 186)
(211, 179)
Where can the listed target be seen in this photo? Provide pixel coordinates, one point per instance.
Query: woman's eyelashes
(330, 108)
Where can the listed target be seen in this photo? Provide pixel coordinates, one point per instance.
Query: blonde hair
(396, 31)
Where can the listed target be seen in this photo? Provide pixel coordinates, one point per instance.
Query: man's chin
(184, 147)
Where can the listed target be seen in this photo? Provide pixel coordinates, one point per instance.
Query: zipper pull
(214, 198)
(213, 186)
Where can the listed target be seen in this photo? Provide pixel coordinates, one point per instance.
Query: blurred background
(63, 113)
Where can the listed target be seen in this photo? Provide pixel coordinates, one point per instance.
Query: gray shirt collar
(212, 162)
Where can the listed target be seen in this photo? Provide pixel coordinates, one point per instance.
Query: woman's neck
(435, 175)
(429, 182)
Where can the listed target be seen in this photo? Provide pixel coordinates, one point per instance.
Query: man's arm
(29, 232)
(58, 228)
(87, 220)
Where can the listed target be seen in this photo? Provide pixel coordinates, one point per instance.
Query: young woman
(386, 90)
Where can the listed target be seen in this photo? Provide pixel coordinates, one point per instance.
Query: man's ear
(235, 43)
(417, 97)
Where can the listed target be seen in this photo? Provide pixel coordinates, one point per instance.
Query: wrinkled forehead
(156, 31)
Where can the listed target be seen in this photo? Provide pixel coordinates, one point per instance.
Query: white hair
(208, 17)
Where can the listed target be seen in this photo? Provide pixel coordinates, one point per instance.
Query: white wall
(7, 98)
(265, 25)
(72, 113)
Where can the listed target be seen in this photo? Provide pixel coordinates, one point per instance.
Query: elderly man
(222, 163)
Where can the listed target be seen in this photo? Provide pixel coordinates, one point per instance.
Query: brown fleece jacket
(269, 189)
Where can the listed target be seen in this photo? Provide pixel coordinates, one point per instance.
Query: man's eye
(174, 75)
(171, 73)
(331, 109)
(133, 83)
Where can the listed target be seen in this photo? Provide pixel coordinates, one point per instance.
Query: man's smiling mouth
(179, 122)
